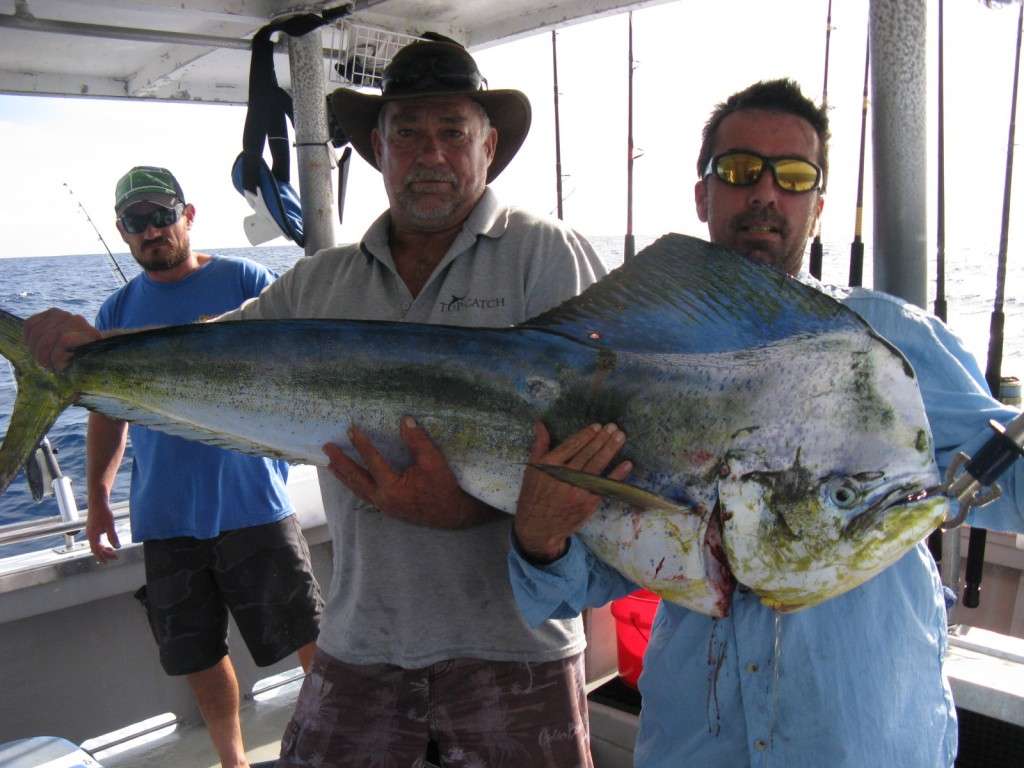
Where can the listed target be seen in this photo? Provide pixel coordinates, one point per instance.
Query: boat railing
(41, 527)
(45, 478)
(993, 644)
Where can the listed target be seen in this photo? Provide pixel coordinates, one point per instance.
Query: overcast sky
(687, 60)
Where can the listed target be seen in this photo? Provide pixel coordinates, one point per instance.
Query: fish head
(797, 540)
(810, 513)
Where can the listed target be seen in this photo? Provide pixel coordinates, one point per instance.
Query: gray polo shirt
(404, 594)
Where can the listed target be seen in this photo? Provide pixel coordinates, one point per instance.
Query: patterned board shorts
(481, 714)
(261, 574)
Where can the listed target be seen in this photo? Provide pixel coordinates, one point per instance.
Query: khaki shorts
(261, 574)
(479, 713)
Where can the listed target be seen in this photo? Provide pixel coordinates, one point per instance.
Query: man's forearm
(104, 448)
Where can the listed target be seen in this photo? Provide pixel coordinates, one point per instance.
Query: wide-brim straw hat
(424, 69)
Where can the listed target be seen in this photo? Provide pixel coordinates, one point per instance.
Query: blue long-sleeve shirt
(859, 679)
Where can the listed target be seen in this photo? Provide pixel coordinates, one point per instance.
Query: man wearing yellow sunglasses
(857, 680)
(767, 216)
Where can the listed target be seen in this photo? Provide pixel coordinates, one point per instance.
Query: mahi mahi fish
(778, 442)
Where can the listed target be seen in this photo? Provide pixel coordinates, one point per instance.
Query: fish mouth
(904, 496)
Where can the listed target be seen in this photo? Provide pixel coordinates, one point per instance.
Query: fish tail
(42, 395)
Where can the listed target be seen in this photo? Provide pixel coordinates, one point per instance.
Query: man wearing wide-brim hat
(421, 639)
(434, 69)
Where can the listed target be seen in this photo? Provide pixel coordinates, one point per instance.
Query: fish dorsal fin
(683, 294)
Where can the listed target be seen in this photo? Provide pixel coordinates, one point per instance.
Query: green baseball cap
(147, 184)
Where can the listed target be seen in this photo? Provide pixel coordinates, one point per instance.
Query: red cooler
(634, 615)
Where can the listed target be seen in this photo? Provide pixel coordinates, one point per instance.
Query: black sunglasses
(435, 71)
(159, 217)
(743, 168)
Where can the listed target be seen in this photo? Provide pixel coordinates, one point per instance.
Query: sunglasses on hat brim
(743, 168)
(437, 70)
(159, 217)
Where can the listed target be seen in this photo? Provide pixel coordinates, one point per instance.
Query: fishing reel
(972, 481)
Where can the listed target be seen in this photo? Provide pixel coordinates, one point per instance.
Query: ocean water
(77, 284)
(80, 284)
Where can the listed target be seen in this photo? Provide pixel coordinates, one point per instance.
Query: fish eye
(842, 492)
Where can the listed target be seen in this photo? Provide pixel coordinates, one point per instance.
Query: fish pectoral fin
(632, 495)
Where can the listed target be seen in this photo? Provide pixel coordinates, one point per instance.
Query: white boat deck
(986, 670)
(189, 746)
(265, 717)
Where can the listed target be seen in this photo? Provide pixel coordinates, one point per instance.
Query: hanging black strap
(266, 122)
(343, 165)
(269, 103)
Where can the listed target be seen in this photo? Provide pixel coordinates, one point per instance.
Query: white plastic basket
(359, 53)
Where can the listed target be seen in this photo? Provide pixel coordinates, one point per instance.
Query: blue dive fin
(278, 210)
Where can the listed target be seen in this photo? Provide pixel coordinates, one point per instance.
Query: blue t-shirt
(180, 487)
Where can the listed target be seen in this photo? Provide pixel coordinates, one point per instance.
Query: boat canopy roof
(198, 50)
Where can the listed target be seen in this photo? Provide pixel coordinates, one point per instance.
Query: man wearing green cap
(217, 527)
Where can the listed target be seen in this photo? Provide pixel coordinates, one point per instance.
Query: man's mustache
(764, 217)
(425, 175)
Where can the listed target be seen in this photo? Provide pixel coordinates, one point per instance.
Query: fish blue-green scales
(746, 397)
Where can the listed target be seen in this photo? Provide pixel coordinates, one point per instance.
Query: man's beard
(778, 253)
(433, 212)
(163, 257)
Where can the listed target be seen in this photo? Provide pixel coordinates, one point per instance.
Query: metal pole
(311, 139)
(558, 132)
(899, 121)
(629, 247)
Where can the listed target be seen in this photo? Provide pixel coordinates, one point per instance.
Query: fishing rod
(857, 246)
(993, 369)
(558, 134)
(629, 247)
(42, 470)
(940, 225)
(817, 252)
(97, 231)
(935, 538)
